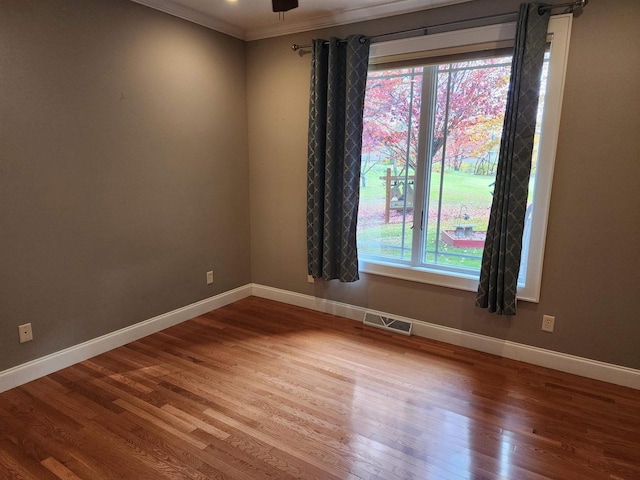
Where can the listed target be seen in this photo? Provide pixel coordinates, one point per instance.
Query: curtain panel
(338, 82)
(500, 267)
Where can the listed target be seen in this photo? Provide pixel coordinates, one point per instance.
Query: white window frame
(559, 30)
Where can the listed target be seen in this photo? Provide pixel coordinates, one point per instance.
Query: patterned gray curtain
(503, 247)
(338, 81)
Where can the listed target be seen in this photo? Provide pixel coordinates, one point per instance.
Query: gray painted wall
(125, 176)
(591, 279)
(123, 168)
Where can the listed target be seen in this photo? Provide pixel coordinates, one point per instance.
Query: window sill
(459, 281)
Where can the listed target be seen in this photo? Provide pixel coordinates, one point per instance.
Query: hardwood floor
(260, 389)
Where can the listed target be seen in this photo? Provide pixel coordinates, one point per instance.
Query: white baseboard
(563, 362)
(308, 301)
(42, 366)
(585, 367)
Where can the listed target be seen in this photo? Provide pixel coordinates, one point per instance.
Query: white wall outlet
(310, 279)
(548, 322)
(25, 333)
(210, 277)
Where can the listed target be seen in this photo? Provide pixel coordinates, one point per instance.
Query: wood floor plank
(264, 390)
(59, 470)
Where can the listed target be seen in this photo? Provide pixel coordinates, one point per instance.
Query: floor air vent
(388, 323)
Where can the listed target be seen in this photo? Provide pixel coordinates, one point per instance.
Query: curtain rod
(572, 6)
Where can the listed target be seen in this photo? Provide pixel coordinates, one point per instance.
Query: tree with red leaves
(470, 101)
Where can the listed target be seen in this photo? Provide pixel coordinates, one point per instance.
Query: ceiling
(254, 19)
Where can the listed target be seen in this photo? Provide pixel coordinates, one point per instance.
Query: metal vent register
(388, 323)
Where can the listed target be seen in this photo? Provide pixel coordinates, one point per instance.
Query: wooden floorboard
(264, 390)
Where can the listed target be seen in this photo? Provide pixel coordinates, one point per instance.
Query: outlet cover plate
(25, 333)
(548, 323)
(210, 277)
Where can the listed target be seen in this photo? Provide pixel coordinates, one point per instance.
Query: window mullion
(425, 142)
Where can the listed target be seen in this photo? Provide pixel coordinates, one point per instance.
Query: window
(432, 124)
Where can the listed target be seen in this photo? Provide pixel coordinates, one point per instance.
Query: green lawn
(464, 193)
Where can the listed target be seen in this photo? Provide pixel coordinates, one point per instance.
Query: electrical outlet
(210, 277)
(25, 333)
(548, 322)
(310, 279)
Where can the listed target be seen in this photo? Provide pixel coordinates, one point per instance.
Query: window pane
(468, 116)
(526, 235)
(464, 124)
(390, 142)
(460, 110)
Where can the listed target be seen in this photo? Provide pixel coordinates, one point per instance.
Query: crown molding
(344, 17)
(341, 17)
(194, 16)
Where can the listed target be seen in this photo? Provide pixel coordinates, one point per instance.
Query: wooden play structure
(396, 191)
